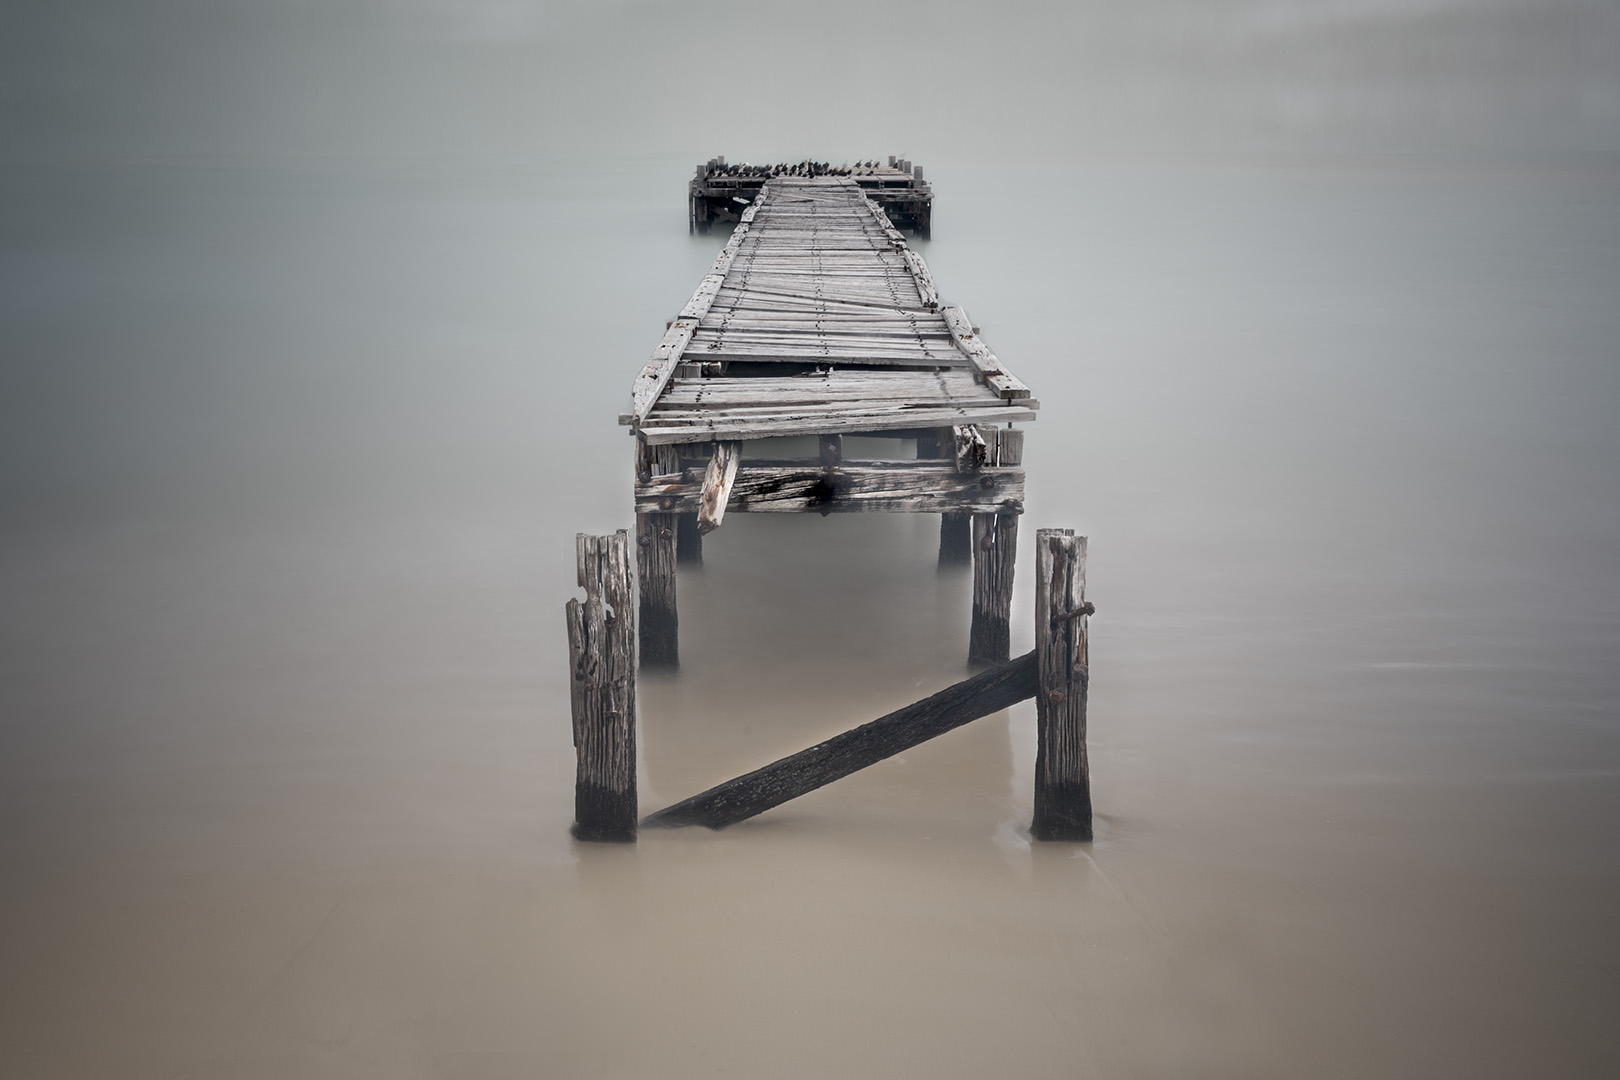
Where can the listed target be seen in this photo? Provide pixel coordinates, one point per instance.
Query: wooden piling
(688, 540)
(994, 547)
(1062, 771)
(955, 529)
(955, 539)
(655, 572)
(601, 651)
(655, 562)
(995, 552)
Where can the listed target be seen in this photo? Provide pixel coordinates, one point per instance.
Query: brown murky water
(293, 464)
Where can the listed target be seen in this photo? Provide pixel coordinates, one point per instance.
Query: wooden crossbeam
(700, 426)
(737, 800)
(848, 487)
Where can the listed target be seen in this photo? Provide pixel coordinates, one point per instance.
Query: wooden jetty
(721, 192)
(818, 320)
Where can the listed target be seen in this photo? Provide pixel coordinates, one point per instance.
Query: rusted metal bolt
(667, 502)
(989, 542)
(644, 540)
(665, 533)
(987, 482)
(644, 475)
(1055, 697)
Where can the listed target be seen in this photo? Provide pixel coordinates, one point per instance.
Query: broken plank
(967, 340)
(924, 280)
(717, 482)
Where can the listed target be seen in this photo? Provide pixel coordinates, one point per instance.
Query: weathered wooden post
(1062, 772)
(655, 564)
(955, 539)
(655, 568)
(602, 651)
(955, 528)
(688, 540)
(995, 554)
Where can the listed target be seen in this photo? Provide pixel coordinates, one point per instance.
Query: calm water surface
(291, 463)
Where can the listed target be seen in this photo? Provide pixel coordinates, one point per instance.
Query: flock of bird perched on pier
(803, 168)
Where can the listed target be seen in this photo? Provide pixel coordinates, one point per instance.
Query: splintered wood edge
(989, 365)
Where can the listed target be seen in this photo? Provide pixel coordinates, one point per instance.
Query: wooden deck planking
(817, 319)
(816, 276)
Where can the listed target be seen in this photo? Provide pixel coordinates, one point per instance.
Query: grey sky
(519, 80)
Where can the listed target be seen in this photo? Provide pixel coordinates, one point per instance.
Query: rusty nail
(644, 540)
(1067, 616)
(1055, 697)
(987, 482)
(665, 533)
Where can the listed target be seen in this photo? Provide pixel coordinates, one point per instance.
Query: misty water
(293, 460)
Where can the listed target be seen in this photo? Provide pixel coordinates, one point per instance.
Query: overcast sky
(520, 80)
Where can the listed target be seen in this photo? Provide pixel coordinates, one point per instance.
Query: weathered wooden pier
(818, 320)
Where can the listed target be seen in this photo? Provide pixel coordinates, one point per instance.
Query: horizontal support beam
(678, 427)
(737, 800)
(883, 487)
